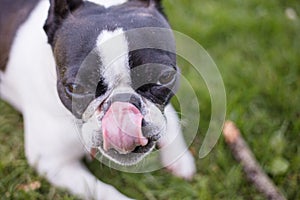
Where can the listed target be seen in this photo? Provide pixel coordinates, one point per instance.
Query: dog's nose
(128, 98)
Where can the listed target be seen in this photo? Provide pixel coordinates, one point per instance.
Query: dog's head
(104, 76)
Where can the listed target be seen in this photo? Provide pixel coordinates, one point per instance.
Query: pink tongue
(121, 128)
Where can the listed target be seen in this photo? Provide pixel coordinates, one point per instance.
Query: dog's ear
(58, 11)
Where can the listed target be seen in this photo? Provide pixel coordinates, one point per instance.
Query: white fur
(108, 3)
(52, 145)
(113, 49)
(174, 153)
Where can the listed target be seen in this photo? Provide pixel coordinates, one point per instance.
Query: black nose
(129, 98)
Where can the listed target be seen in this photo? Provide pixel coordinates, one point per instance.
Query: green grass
(257, 50)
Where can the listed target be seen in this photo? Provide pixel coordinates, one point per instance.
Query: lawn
(256, 46)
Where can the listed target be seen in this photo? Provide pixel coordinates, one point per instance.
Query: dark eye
(167, 77)
(74, 88)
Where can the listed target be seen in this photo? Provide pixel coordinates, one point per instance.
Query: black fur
(59, 10)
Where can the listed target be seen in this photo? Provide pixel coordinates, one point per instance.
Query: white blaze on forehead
(113, 50)
(108, 3)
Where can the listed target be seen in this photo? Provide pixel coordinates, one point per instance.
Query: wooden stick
(251, 167)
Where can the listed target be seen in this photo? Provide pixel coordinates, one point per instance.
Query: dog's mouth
(128, 159)
(124, 135)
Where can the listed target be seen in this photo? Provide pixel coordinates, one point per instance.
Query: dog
(58, 68)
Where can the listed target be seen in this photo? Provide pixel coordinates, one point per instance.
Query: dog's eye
(167, 77)
(74, 88)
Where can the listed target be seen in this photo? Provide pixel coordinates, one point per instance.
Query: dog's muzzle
(122, 123)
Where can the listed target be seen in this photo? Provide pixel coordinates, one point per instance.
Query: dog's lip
(125, 160)
(144, 149)
(138, 150)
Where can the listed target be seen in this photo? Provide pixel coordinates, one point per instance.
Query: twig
(30, 186)
(251, 167)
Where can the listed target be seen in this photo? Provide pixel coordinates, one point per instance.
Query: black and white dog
(73, 59)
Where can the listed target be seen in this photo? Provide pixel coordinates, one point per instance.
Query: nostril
(144, 123)
(129, 98)
(136, 101)
(101, 88)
